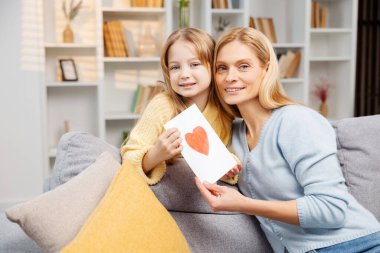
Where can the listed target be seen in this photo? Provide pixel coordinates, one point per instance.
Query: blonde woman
(291, 178)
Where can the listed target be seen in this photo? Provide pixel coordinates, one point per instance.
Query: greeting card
(203, 150)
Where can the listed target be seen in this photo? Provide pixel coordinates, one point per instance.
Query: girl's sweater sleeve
(145, 134)
(308, 143)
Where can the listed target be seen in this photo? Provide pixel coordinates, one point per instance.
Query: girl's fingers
(174, 136)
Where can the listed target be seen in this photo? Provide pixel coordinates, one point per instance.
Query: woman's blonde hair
(204, 46)
(271, 92)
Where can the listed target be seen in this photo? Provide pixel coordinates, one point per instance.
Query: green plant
(73, 10)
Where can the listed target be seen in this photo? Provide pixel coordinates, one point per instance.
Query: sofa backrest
(358, 142)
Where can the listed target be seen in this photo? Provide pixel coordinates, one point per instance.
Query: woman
(291, 178)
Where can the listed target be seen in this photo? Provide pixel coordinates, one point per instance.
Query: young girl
(186, 64)
(291, 180)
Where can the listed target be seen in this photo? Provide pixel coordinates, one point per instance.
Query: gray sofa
(358, 143)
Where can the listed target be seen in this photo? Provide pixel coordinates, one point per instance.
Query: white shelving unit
(75, 102)
(332, 54)
(100, 102)
(326, 52)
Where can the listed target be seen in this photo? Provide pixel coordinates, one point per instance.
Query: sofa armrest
(75, 152)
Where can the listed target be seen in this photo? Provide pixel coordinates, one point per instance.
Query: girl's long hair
(204, 46)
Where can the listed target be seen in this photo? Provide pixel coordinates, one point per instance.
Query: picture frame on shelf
(68, 69)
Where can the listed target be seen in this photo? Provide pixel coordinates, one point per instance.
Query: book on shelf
(147, 3)
(319, 15)
(115, 43)
(142, 96)
(108, 48)
(293, 65)
(264, 25)
(221, 4)
(129, 43)
(288, 63)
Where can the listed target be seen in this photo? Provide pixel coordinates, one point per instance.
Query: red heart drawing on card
(198, 140)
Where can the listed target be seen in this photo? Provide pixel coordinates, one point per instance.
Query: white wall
(21, 160)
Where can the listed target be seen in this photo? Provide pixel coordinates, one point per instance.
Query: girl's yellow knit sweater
(150, 126)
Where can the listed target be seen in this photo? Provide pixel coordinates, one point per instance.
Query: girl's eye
(220, 68)
(174, 67)
(243, 67)
(195, 64)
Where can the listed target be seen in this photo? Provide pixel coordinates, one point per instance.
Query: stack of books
(318, 15)
(118, 40)
(147, 3)
(264, 25)
(221, 4)
(288, 63)
(143, 95)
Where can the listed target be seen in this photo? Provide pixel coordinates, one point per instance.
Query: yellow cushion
(129, 218)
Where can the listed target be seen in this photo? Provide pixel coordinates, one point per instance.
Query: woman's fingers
(204, 191)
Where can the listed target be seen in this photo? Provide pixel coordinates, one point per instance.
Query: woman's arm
(222, 198)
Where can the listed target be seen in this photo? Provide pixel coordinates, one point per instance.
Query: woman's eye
(220, 68)
(195, 64)
(243, 67)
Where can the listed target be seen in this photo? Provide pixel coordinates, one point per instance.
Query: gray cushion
(358, 141)
(75, 152)
(13, 239)
(177, 190)
(54, 218)
(222, 233)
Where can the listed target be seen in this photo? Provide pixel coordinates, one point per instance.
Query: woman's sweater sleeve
(144, 136)
(308, 143)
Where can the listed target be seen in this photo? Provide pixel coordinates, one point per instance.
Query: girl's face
(238, 73)
(189, 77)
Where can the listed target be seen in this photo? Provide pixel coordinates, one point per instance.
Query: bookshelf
(100, 101)
(328, 50)
(332, 54)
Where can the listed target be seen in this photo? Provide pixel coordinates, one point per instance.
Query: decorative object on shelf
(68, 69)
(221, 26)
(264, 25)
(70, 14)
(147, 44)
(321, 91)
(184, 13)
(66, 126)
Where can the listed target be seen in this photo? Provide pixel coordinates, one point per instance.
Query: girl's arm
(167, 146)
(222, 198)
(144, 135)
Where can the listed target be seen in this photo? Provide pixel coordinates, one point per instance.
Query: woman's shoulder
(298, 112)
(293, 117)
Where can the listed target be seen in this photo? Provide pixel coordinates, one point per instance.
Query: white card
(203, 150)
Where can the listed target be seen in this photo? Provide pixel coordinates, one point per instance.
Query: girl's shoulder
(160, 108)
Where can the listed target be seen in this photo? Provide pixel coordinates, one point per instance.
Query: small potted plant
(321, 92)
(70, 13)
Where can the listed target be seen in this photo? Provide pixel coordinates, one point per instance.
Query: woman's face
(238, 73)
